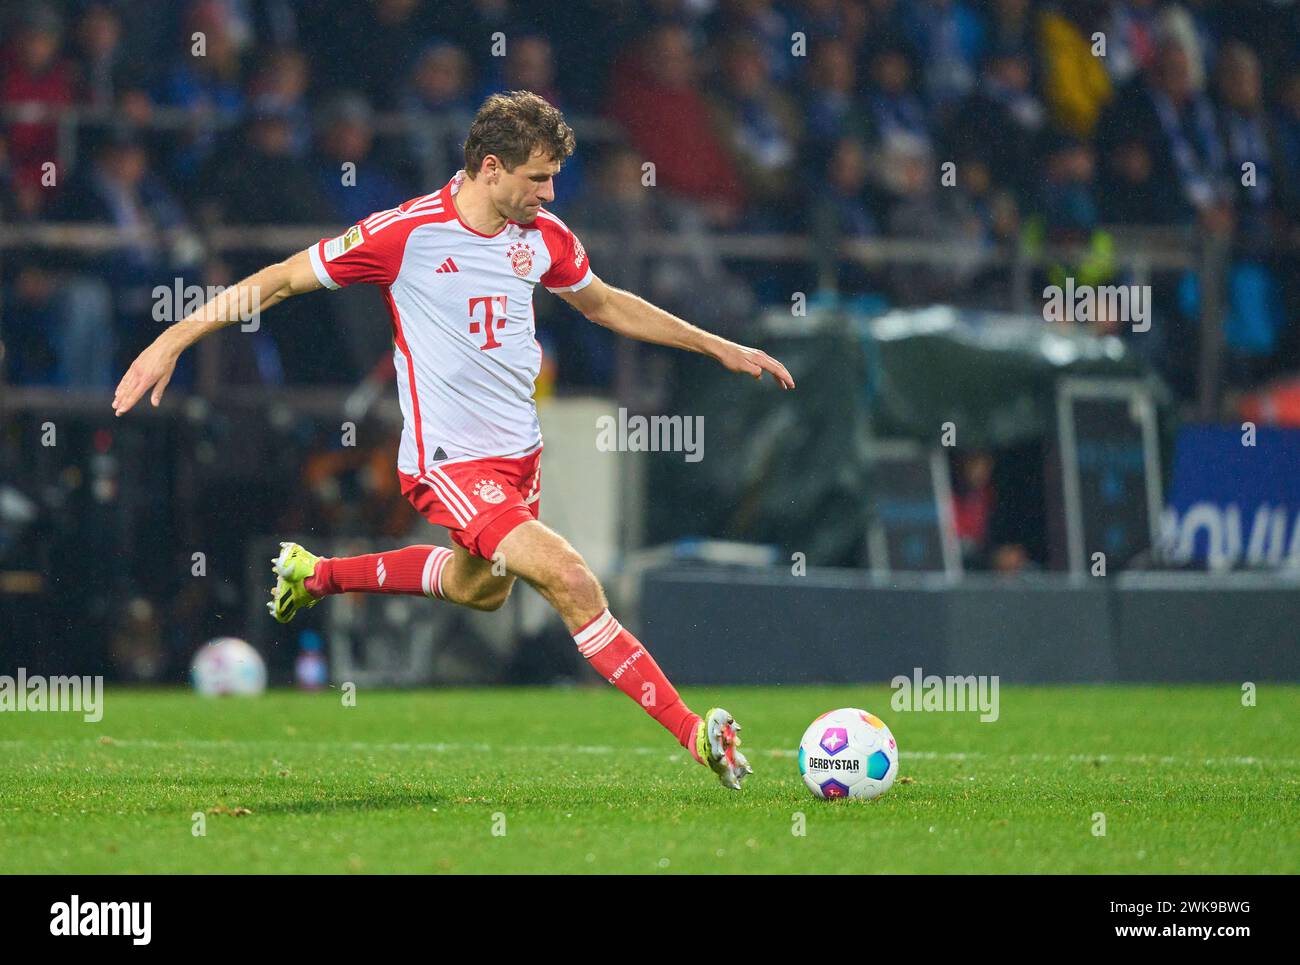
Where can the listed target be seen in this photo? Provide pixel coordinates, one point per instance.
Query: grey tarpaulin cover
(992, 375)
(792, 468)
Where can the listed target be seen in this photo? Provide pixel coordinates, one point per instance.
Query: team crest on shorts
(521, 258)
(489, 491)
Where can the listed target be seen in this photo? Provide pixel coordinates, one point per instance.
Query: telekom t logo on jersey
(494, 307)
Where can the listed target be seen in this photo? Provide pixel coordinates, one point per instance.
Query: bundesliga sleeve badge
(344, 242)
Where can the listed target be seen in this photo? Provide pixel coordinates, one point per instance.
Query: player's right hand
(152, 369)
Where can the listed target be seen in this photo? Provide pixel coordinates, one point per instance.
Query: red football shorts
(478, 500)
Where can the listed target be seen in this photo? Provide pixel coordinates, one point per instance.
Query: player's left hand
(152, 369)
(752, 361)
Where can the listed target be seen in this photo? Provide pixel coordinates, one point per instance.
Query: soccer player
(458, 268)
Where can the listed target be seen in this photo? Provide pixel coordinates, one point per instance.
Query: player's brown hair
(514, 125)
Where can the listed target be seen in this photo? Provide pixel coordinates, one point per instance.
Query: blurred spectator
(529, 64)
(972, 505)
(620, 202)
(57, 328)
(19, 201)
(439, 108)
(476, 22)
(1177, 25)
(824, 19)
(280, 85)
(1131, 39)
(121, 190)
(1066, 200)
(352, 180)
(373, 44)
(894, 108)
(948, 39)
(1000, 123)
(36, 83)
(1011, 559)
(1017, 523)
(840, 211)
(204, 80)
(1249, 140)
(759, 125)
(1011, 27)
(1180, 133)
(762, 23)
(1130, 191)
(1255, 316)
(919, 209)
(994, 206)
(260, 181)
(656, 98)
(832, 109)
(106, 75)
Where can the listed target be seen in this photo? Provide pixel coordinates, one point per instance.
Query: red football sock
(621, 659)
(413, 570)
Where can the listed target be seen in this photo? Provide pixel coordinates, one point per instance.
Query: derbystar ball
(848, 753)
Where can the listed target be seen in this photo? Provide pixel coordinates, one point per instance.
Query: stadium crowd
(1063, 118)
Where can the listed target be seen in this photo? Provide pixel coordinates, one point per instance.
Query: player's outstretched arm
(153, 368)
(627, 314)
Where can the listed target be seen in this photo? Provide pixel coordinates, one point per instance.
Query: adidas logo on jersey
(447, 265)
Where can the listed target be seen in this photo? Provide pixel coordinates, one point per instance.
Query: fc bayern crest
(521, 258)
(489, 491)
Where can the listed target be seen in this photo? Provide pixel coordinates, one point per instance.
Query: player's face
(520, 193)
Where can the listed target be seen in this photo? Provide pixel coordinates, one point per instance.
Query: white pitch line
(445, 747)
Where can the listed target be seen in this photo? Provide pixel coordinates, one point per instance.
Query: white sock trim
(431, 578)
(598, 634)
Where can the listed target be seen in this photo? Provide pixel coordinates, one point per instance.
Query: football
(228, 665)
(848, 753)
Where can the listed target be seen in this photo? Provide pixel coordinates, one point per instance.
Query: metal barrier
(1139, 254)
(841, 626)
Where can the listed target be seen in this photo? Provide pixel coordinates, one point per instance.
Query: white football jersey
(462, 313)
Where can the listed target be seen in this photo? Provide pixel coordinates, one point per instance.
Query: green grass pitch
(580, 780)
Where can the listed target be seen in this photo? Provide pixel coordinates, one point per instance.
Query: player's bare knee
(577, 585)
(496, 597)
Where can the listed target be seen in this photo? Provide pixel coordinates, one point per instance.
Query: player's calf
(555, 569)
(475, 586)
(547, 561)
